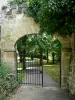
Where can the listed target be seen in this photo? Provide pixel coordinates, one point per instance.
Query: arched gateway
(16, 25)
(29, 61)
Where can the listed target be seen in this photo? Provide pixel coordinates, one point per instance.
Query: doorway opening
(38, 60)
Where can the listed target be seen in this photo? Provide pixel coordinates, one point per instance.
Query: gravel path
(33, 78)
(50, 91)
(48, 82)
(39, 93)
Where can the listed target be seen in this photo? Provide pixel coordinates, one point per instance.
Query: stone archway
(12, 30)
(20, 25)
(27, 62)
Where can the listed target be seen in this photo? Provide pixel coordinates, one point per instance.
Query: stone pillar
(66, 52)
(72, 68)
(8, 57)
(65, 66)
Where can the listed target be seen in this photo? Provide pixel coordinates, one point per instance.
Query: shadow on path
(50, 91)
(39, 93)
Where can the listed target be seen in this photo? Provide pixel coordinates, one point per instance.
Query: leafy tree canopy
(15, 1)
(35, 42)
(54, 15)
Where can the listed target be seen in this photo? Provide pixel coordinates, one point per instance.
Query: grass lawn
(20, 77)
(53, 70)
(21, 73)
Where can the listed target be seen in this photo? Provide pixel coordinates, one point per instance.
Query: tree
(33, 9)
(40, 45)
(51, 18)
(52, 45)
(12, 2)
(48, 13)
(21, 47)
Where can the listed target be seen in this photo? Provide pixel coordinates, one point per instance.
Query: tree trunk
(24, 52)
(47, 55)
(32, 56)
(53, 60)
(41, 56)
(24, 60)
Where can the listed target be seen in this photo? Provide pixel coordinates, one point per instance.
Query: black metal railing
(29, 70)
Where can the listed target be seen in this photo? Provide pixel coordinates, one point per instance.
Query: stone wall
(20, 25)
(66, 52)
(68, 63)
(65, 66)
(71, 79)
(11, 30)
(9, 58)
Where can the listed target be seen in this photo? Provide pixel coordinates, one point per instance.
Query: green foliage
(33, 8)
(3, 71)
(7, 81)
(21, 45)
(35, 42)
(11, 2)
(54, 15)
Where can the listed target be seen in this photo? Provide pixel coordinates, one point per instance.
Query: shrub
(7, 81)
(3, 70)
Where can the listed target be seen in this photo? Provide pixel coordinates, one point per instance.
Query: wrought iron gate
(29, 70)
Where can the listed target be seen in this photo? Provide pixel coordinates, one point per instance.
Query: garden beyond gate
(29, 70)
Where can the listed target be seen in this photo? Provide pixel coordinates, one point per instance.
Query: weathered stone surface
(71, 79)
(11, 30)
(66, 41)
(20, 25)
(65, 65)
(16, 28)
(66, 52)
